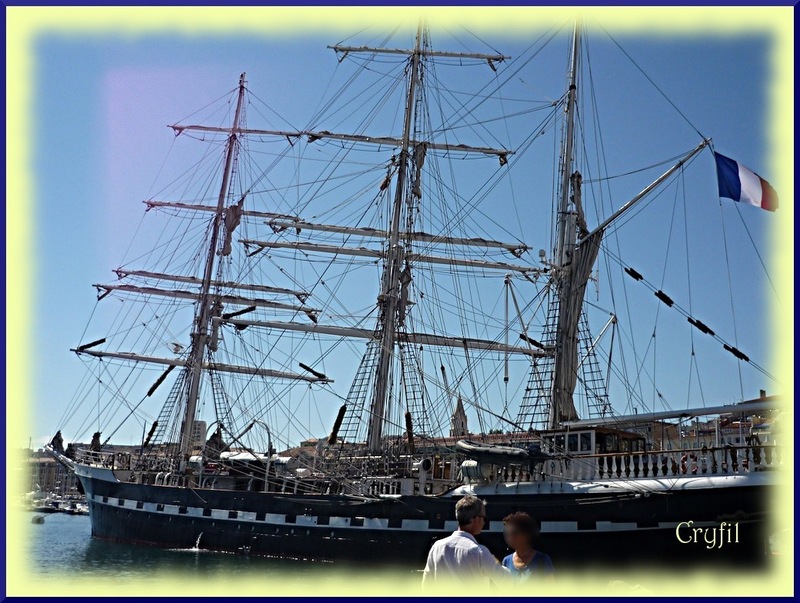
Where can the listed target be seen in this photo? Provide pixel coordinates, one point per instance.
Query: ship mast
(390, 289)
(205, 302)
(566, 223)
(565, 246)
(395, 256)
(576, 251)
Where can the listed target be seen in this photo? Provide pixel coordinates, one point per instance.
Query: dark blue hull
(577, 529)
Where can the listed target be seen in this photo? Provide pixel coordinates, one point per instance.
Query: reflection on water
(63, 556)
(63, 545)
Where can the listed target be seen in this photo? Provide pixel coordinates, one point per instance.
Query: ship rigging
(269, 279)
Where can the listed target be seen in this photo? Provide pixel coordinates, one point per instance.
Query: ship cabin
(592, 441)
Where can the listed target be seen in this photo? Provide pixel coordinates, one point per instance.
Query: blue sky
(102, 102)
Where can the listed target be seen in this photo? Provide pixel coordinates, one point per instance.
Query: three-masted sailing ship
(281, 282)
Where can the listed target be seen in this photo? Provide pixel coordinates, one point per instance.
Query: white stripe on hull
(363, 523)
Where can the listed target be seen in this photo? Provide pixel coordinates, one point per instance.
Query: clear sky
(102, 102)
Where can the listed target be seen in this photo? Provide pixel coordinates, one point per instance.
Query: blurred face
(515, 539)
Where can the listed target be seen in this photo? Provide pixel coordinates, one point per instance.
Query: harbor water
(63, 546)
(61, 550)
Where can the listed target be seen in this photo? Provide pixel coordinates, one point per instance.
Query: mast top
(419, 52)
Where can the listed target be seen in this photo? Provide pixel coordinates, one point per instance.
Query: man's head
(471, 514)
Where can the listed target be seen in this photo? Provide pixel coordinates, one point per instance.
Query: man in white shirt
(459, 555)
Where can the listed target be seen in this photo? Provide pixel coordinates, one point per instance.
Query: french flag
(743, 185)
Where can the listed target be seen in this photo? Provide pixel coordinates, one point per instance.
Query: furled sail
(233, 216)
(571, 291)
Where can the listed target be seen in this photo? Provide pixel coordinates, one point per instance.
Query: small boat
(498, 453)
(77, 509)
(38, 519)
(47, 508)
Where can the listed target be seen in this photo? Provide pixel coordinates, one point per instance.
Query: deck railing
(125, 461)
(727, 460)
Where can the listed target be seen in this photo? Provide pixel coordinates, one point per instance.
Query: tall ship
(380, 282)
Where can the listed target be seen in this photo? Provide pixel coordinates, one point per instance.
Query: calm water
(62, 548)
(63, 545)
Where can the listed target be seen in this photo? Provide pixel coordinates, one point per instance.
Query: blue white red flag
(743, 185)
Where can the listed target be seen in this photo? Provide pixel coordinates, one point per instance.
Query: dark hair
(468, 508)
(523, 523)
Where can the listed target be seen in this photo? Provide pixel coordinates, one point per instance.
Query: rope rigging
(349, 184)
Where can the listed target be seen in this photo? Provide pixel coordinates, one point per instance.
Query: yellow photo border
(23, 27)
